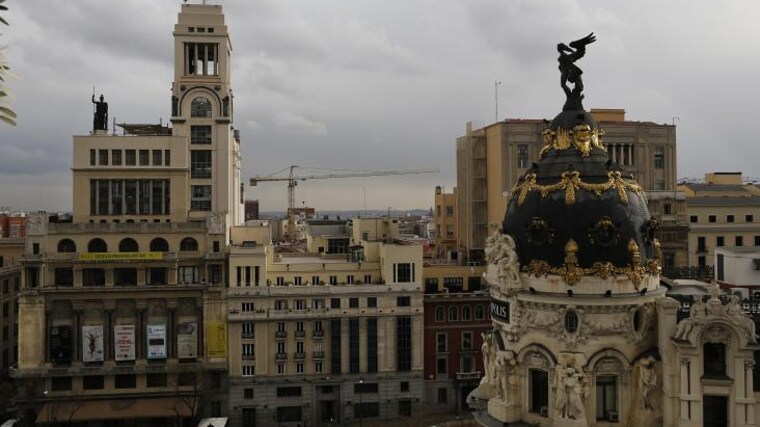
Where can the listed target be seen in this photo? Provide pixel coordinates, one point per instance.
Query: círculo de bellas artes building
(584, 332)
(121, 311)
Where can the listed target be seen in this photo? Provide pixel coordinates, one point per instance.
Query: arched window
(97, 245)
(453, 313)
(188, 244)
(67, 245)
(571, 321)
(440, 314)
(480, 314)
(466, 313)
(200, 107)
(128, 245)
(159, 245)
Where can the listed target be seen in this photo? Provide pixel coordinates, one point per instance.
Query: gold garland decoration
(572, 273)
(581, 137)
(571, 182)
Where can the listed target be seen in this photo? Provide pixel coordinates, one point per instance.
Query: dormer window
(201, 59)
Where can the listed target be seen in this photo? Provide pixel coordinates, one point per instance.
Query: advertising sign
(92, 343)
(187, 340)
(60, 344)
(124, 342)
(121, 256)
(500, 310)
(217, 339)
(156, 341)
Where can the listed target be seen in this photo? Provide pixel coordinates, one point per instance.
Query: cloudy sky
(380, 85)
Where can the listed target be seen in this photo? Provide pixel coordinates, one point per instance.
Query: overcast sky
(380, 85)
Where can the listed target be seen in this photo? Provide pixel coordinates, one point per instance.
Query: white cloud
(291, 122)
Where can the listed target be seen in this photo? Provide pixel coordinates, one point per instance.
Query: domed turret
(575, 213)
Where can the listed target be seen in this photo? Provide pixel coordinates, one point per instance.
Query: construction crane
(292, 180)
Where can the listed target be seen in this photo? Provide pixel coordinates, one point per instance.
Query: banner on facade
(60, 344)
(499, 310)
(124, 342)
(92, 343)
(121, 256)
(156, 335)
(187, 340)
(216, 332)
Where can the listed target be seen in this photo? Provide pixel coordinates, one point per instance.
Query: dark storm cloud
(382, 85)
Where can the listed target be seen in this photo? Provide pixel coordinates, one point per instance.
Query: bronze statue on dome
(569, 72)
(100, 117)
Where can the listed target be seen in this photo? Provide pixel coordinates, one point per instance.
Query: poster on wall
(92, 343)
(187, 340)
(216, 333)
(156, 341)
(60, 344)
(124, 342)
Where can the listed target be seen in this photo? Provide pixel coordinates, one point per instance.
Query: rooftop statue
(570, 72)
(100, 117)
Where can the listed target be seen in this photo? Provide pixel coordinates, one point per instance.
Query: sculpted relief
(502, 258)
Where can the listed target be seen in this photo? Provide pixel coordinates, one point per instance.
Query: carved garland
(571, 182)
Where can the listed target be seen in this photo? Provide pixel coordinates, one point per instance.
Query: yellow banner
(121, 256)
(216, 333)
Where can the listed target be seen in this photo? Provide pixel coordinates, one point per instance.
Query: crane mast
(292, 180)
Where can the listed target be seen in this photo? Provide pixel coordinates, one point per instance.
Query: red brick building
(453, 359)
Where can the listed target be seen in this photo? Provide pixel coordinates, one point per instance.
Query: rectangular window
(443, 395)
(167, 157)
(93, 382)
(606, 398)
(157, 157)
(188, 275)
(539, 392)
(289, 391)
(130, 158)
(757, 240)
(201, 59)
(403, 301)
(701, 245)
(371, 302)
(103, 198)
(125, 381)
(334, 302)
(247, 331)
(404, 273)
(116, 157)
(335, 346)
(367, 410)
(701, 261)
(749, 218)
(440, 342)
(103, 157)
(350, 279)
(667, 209)
(93, 277)
(249, 370)
(372, 345)
(200, 198)
(248, 351)
(404, 343)
(144, 157)
(353, 302)
(466, 341)
(693, 218)
(157, 197)
(353, 346)
(318, 368)
(659, 158)
(200, 134)
(659, 184)
(248, 393)
(712, 218)
(714, 359)
(64, 277)
(522, 156)
(719, 241)
(130, 197)
(144, 197)
(200, 164)
(739, 241)
(247, 307)
(116, 197)
(333, 280)
(730, 218)
(367, 278)
(93, 156)
(125, 276)
(156, 380)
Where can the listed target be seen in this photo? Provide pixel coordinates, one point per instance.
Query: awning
(93, 410)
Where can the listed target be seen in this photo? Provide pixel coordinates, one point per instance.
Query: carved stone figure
(36, 224)
(489, 353)
(734, 312)
(100, 118)
(215, 223)
(647, 382)
(500, 251)
(569, 393)
(697, 316)
(504, 365)
(569, 72)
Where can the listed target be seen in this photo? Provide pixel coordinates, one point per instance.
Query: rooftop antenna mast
(496, 84)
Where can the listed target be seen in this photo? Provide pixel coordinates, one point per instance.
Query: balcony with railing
(281, 356)
(299, 355)
(300, 334)
(318, 355)
(476, 375)
(318, 333)
(281, 334)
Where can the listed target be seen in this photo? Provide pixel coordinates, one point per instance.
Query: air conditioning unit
(612, 416)
(544, 411)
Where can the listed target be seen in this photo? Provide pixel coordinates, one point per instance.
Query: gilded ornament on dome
(570, 182)
(603, 270)
(604, 233)
(582, 138)
(539, 268)
(539, 232)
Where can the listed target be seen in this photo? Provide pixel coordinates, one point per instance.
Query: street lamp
(47, 406)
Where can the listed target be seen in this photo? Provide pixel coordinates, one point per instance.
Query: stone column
(685, 387)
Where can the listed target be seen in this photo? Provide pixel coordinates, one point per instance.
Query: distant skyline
(379, 85)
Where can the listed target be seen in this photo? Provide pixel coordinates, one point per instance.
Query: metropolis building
(584, 332)
(121, 311)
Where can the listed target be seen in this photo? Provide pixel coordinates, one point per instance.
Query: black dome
(576, 194)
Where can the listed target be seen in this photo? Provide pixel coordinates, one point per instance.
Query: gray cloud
(381, 85)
